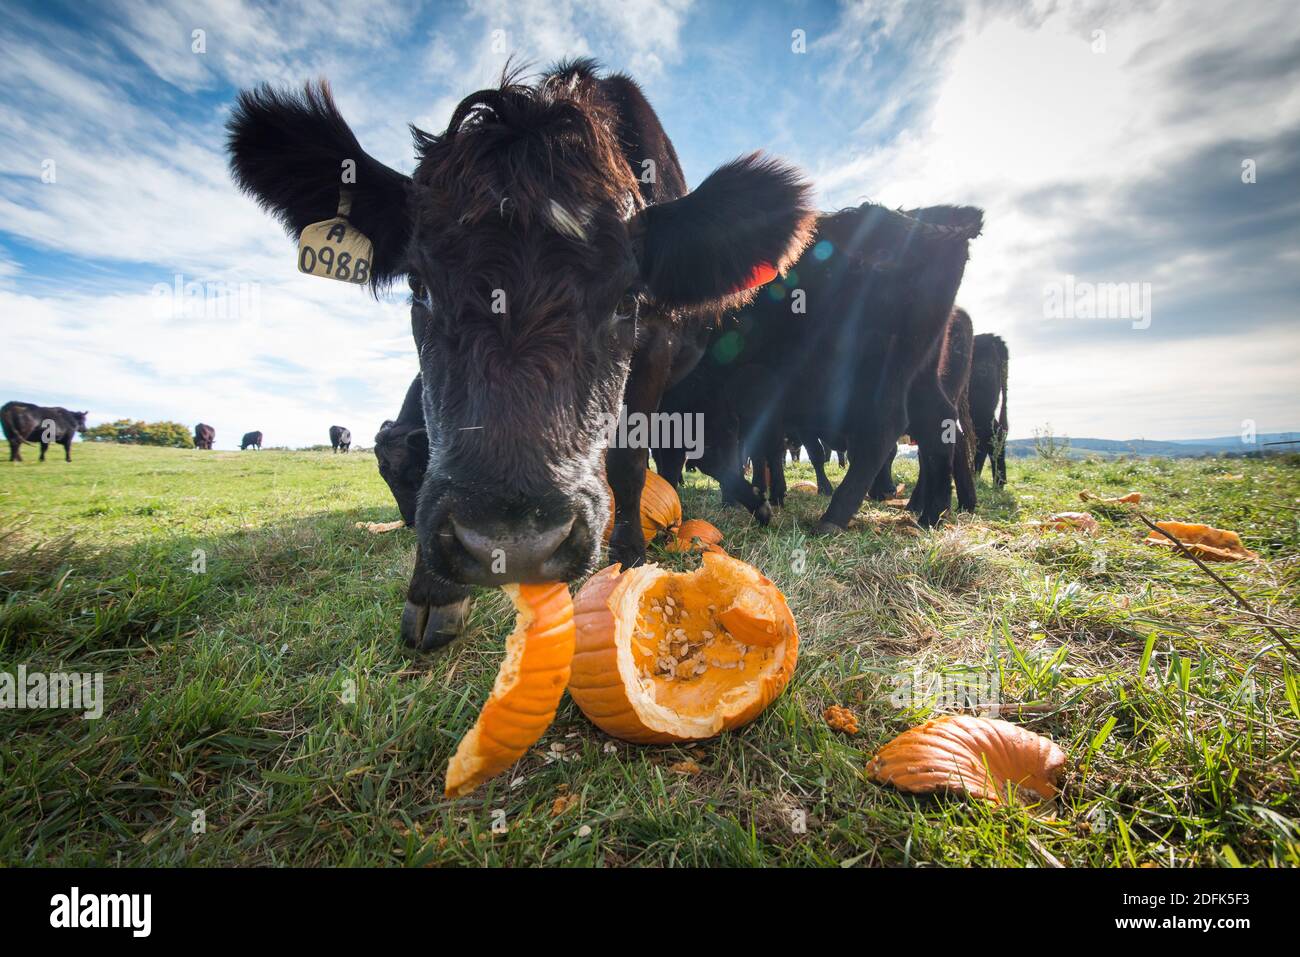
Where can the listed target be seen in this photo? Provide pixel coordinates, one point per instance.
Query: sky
(1155, 145)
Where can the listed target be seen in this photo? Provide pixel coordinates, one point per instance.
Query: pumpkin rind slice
(633, 690)
(527, 690)
(1203, 541)
(982, 757)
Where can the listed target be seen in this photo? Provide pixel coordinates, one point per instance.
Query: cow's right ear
(417, 441)
(291, 152)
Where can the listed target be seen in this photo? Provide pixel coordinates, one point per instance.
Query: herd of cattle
(559, 269)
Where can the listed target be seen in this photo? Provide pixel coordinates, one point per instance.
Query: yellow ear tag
(335, 249)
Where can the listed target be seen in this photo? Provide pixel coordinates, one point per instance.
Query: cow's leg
(981, 452)
(45, 447)
(1000, 461)
(435, 611)
(625, 468)
(773, 454)
(870, 445)
(882, 487)
(670, 463)
(67, 449)
(14, 454)
(817, 456)
(840, 457)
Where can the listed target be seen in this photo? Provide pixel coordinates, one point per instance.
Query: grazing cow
(402, 448)
(988, 378)
(939, 394)
(24, 422)
(251, 439)
(340, 438)
(204, 436)
(877, 290)
(557, 265)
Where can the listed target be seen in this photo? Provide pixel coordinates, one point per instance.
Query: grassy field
(229, 688)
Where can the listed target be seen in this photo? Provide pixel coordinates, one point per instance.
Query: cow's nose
(505, 554)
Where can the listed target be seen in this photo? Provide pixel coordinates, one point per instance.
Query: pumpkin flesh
(657, 662)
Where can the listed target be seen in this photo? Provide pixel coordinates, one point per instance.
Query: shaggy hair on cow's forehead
(518, 150)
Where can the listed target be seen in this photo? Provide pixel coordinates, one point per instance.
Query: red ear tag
(763, 274)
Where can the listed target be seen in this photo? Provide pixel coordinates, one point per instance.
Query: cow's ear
(737, 230)
(292, 152)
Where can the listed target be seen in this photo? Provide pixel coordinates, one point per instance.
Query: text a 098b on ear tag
(335, 249)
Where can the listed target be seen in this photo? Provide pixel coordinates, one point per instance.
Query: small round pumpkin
(661, 509)
(668, 656)
(527, 691)
(696, 535)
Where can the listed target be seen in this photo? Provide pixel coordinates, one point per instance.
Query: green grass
(227, 691)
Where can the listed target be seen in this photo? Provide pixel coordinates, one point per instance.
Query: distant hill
(1175, 448)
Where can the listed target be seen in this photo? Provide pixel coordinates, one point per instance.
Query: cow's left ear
(292, 152)
(736, 231)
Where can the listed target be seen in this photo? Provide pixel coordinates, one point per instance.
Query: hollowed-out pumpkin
(661, 509)
(680, 656)
(1204, 541)
(527, 691)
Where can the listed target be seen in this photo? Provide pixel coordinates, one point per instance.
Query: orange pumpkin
(1132, 498)
(696, 535)
(664, 656)
(982, 757)
(661, 509)
(527, 691)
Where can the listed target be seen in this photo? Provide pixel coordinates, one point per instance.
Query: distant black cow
(340, 438)
(24, 422)
(253, 439)
(989, 377)
(939, 394)
(402, 448)
(204, 436)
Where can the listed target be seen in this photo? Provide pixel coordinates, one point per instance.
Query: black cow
(251, 439)
(402, 448)
(939, 394)
(24, 422)
(557, 266)
(989, 378)
(204, 436)
(340, 438)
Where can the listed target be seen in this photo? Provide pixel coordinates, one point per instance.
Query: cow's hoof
(430, 627)
(626, 556)
(829, 528)
(763, 514)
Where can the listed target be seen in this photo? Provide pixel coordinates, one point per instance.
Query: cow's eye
(628, 306)
(418, 291)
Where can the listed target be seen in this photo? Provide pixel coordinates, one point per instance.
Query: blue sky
(1104, 140)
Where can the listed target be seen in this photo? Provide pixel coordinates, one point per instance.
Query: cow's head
(403, 452)
(79, 420)
(530, 255)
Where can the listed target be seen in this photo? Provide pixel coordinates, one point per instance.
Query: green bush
(128, 432)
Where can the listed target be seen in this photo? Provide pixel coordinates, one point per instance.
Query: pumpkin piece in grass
(983, 757)
(696, 535)
(1203, 541)
(1132, 498)
(1070, 521)
(527, 690)
(655, 662)
(661, 509)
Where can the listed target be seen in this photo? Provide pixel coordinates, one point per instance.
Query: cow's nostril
(511, 553)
